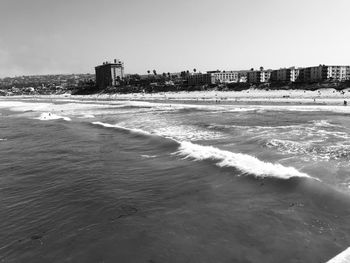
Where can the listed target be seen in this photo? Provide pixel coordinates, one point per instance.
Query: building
(224, 76)
(200, 79)
(284, 75)
(324, 72)
(339, 73)
(109, 74)
(214, 77)
(258, 76)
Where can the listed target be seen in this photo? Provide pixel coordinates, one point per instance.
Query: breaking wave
(116, 126)
(243, 162)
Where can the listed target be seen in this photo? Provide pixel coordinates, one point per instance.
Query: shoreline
(246, 97)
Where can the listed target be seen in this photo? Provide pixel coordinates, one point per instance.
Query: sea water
(136, 181)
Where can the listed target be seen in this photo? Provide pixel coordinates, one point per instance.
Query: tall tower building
(109, 74)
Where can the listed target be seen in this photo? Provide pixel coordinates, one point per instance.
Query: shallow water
(119, 181)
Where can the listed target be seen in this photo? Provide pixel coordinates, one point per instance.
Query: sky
(73, 36)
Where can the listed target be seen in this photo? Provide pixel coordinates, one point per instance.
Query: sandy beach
(250, 96)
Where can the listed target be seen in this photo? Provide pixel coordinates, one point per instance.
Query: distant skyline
(73, 36)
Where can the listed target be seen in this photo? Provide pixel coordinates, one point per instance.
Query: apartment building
(200, 79)
(340, 73)
(284, 75)
(214, 77)
(324, 72)
(224, 76)
(258, 76)
(109, 74)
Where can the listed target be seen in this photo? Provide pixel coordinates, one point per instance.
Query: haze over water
(120, 181)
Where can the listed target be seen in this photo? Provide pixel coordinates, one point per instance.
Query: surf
(247, 164)
(46, 116)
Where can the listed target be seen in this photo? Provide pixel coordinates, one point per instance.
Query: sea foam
(243, 162)
(50, 116)
(116, 126)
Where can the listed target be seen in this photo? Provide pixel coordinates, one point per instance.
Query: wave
(324, 123)
(116, 126)
(186, 132)
(311, 150)
(87, 116)
(174, 132)
(50, 116)
(243, 162)
(146, 156)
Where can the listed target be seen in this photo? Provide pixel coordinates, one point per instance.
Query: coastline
(245, 97)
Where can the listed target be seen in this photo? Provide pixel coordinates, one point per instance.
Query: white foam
(46, 116)
(148, 156)
(186, 132)
(133, 130)
(87, 116)
(342, 257)
(244, 162)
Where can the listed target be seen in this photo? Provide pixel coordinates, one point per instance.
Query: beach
(327, 96)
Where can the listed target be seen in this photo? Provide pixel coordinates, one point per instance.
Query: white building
(214, 77)
(225, 77)
(340, 73)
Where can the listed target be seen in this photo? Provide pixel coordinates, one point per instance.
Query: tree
(155, 72)
(261, 68)
(252, 69)
(194, 70)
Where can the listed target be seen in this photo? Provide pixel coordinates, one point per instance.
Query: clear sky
(73, 36)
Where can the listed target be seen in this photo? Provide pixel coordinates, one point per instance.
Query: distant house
(109, 74)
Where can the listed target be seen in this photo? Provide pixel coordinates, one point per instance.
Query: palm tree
(155, 72)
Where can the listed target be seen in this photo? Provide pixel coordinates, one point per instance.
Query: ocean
(136, 181)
